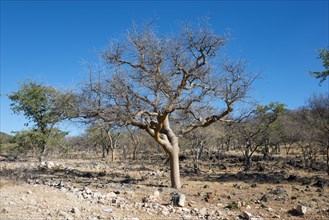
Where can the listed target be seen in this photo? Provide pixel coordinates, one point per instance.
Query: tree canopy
(324, 56)
(38, 103)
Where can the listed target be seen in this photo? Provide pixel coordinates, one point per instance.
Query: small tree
(31, 140)
(38, 103)
(253, 129)
(105, 136)
(136, 141)
(314, 121)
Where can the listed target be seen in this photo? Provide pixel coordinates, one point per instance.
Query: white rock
(87, 190)
(50, 164)
(97, 195)
(179, 199)
(165, 212)
(111, 195)
(156, 193)
(108, 210)
(246, 215)
(301, 210)
(186, 210)
(42, 164)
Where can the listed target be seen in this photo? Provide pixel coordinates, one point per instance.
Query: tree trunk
(247, 156)
(104, 151)
(174, 168)
(135, 153)
(112, 152)
(196, 161)
(247, 163)
(42, 152)
(266, 152)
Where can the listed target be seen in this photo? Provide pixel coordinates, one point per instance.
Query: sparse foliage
(324, 56)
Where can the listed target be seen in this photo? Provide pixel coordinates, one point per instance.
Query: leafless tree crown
(155, 77)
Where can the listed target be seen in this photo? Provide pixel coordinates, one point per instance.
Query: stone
(108, 210)
(50, 164)
(87, 190)
(299, 210)
(265, 198)
(186, 210)
(96, 195)
(156, 193)
(165, 212)
(319, 183)
(76, 211)
(111, 195)
(280, 199)
(181, 200)
(130, 194)
(246, 215)
(195, 210)
(211, 196)
(114, 200)
(279, 191)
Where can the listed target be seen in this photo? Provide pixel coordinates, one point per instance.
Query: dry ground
(97, 189)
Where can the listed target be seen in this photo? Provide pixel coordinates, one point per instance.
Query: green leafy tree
(30, 141)
(324, 56)
(254, 129)
(40, 105)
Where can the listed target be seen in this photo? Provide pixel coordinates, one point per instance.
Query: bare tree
(319, 105)
(314, 121)
(152, 81)
(198, 141)
(136, 141)
(106, 137)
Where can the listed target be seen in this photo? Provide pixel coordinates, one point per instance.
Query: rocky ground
(96, 189)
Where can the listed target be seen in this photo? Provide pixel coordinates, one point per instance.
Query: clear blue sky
(49, 41)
